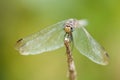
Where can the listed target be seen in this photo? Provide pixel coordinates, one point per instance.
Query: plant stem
(70, 61)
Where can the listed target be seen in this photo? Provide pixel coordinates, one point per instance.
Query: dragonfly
(52, 38)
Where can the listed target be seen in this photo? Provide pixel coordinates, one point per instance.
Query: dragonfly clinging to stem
(52, 38)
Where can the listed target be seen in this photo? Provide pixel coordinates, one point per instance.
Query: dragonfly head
(70, 25)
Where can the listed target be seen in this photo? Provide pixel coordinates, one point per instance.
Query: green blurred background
(19, 18)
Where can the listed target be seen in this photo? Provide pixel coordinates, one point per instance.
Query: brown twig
(71, 65)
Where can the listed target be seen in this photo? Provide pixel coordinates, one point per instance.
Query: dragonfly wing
(48, 39)
(89, 47)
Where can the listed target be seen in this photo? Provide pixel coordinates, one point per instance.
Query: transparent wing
(48, 39)
(89, 47)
